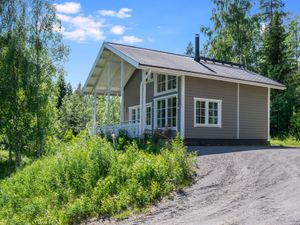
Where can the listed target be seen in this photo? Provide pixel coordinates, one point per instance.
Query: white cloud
(81, 28)
(130, 39)
(68, 7)
(122, 13)
(118, 30)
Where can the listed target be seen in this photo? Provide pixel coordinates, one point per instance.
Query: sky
(166, 25)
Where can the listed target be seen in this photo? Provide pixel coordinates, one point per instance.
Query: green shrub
(88, 177)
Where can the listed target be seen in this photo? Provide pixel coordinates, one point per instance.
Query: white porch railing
(131, 129)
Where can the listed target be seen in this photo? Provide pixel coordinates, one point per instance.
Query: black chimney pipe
(197, 43)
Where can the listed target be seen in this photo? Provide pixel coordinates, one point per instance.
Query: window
(161, 83)
(166, 114)
(148, 116)
(165, 83)
(134, 114)
(207, 112)
(161, 113)
(172, 82)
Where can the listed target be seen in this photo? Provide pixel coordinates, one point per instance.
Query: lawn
(285, 142)
(88, 177)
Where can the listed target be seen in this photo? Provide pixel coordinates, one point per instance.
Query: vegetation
(87, 177)
(289, 141)
(266, 41)
(31, 54)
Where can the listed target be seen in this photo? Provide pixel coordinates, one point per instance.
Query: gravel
(234, 185)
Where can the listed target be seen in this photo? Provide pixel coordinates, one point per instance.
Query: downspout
(142, 100)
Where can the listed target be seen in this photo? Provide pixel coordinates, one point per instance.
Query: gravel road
(234, 185)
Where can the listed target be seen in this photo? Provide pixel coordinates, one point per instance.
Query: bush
(87, 177)
(295, 124)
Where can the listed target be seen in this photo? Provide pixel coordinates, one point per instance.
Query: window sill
(166, 92)
(208, 125)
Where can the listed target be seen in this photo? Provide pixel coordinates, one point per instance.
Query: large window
(166, 113)
(134, 114)
(207, 112)
(165, 83)
(148, 116)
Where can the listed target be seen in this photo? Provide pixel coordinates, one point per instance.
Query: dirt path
(247, 185)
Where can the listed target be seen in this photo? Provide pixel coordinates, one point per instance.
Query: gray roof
(166, 60)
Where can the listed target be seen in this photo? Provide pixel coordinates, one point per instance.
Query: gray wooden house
(205, 100)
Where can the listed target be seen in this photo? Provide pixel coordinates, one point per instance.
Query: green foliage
(285, 141)
(61, 89)
(232, 36)
(87, 177)
(7, 167)
(295, 124)
(31, 54)
(75, 113)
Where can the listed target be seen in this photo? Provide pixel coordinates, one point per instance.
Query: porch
(150, 97)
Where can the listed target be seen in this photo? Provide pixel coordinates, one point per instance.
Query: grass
(89, 178)
(289, 141)
(8, 168)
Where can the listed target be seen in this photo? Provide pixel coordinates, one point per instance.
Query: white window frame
(166, 111)
(206, 124)
(149, 126)
(156, 93)
(130, 109)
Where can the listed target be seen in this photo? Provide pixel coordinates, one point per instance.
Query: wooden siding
(132, 92)
(253, 112)
(205, 88)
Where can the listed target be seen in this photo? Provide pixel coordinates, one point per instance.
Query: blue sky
(159, 24)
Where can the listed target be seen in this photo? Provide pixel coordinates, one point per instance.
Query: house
(205, 100)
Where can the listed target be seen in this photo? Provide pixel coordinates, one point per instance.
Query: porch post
(94, 116)
(122, 92)
(108, 92)
(143, 100)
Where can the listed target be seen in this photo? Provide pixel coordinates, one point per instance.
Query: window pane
(133, 115)
(161, 113)
(172, 111)
(172, 82)
(138, 115)
(213, 113)
(200, 112)
(148, 115)
(161, 83)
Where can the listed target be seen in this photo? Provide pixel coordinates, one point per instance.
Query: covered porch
(108, 77)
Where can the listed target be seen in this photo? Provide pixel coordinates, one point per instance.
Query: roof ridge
(149, 49)
(205, 59)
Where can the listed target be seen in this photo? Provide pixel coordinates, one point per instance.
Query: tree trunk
(18, 156)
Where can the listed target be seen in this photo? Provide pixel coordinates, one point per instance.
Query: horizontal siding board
(253, 112)
(205, 88)
(132, 92)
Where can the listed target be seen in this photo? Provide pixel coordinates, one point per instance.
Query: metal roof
(166, 60)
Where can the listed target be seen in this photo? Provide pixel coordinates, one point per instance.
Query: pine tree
(62, 90)
(275, 52)
(276, 63)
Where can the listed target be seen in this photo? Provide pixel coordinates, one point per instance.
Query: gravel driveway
(235, 185)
